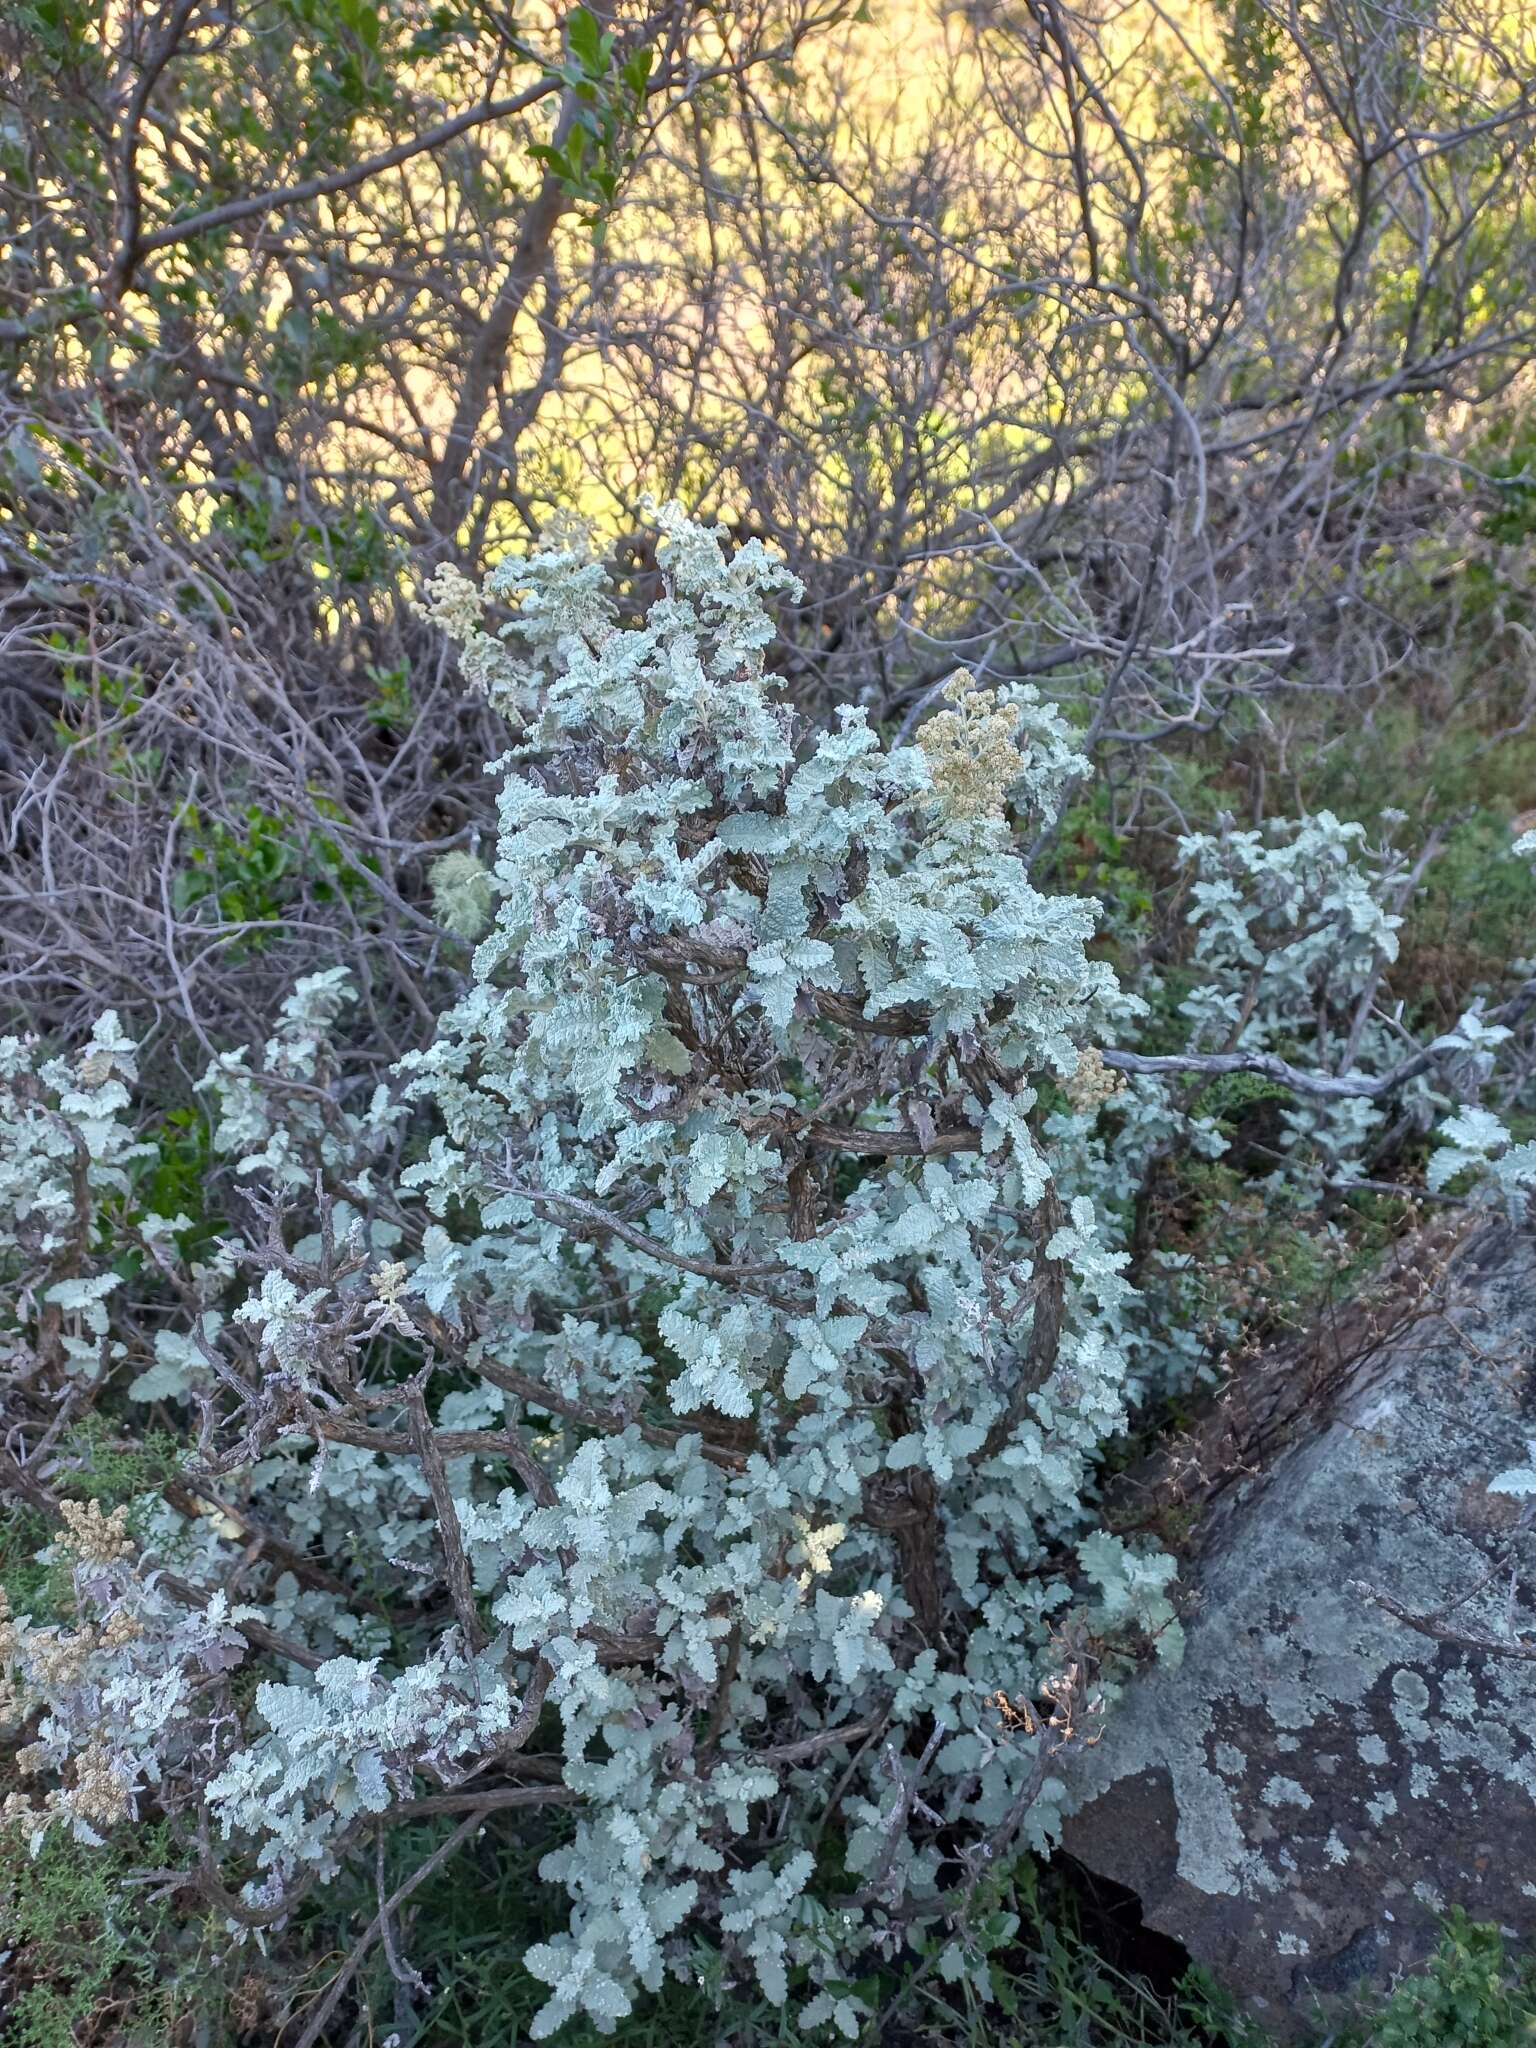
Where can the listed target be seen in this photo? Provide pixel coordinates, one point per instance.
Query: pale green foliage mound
(727, 1358)
(752, 1040)
(676, 1400)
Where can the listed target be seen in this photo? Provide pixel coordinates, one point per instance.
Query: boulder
(1349, 1746)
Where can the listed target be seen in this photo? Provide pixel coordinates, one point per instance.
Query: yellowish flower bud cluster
(120, 1629)
(973, 751)
(248, 2004)
(452, 603)
(1093, 1084)
(92, 1537)
(59, 1659)
(98, 1794)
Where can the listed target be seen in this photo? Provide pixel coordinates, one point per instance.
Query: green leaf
(584, 38)
(553, 160)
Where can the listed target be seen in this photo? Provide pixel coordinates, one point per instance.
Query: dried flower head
(99, 1796)
(973, 752)
(120, 1629)
(1093, 1084)
(92, 1537)
(18, 1811)
(58, 1659)
(452, 602)
(248, 2005)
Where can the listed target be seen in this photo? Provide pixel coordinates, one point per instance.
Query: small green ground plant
(85, 1961)
(1473, 1995)
(1052, 1980)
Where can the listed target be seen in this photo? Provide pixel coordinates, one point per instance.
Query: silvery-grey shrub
(676, 1399)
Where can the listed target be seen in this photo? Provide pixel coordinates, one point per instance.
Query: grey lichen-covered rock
(1303, 1799)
